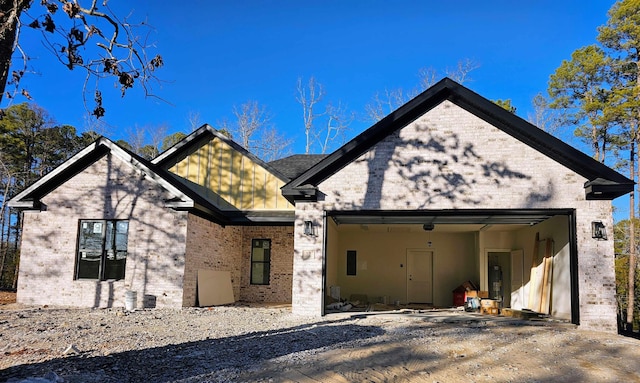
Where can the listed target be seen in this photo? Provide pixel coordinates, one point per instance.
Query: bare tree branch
(308, 96)
(250, 118)
(194, 119)
(543, 116)
(91, 38)
(382, 105)
(461, 72)
(326, 127)
(338, 121)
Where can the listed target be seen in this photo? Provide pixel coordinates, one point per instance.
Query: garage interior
(407, 258)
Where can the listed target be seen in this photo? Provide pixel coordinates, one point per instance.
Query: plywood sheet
(214, 288)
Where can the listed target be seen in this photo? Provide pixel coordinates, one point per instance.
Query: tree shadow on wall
(121, 191)
(439, 169)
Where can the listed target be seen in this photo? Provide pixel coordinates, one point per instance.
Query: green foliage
(620, 37)
(225, 132)
(506, 104)
(622, 31)
(32, 145)
(622, 250)
(148, 152)
(580, 89)
(598, 92)
(124, 144)
(171, 140)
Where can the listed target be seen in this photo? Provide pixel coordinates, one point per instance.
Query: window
(260, 261)
(351, 262)
(102, 249)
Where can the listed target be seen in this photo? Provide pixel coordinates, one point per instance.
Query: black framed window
(260, 261)
(102, 249)
(351, 262)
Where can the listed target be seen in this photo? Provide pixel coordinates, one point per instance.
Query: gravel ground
(269, 344)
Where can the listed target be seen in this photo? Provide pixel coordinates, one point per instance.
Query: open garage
(422, 258)
(452, 188)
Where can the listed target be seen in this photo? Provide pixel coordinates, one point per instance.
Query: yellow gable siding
(231, 177)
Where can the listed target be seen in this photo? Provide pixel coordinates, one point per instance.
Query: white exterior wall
(451, 159)
(107, 189)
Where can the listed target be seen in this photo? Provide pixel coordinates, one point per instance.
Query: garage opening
(524, 260)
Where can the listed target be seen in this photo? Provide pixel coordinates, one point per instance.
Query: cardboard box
(489, 310)
(477, 294)
(489, 303)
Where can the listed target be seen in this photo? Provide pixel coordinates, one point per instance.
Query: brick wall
(107, 189)
(213, 247)
(280, 279)
(451, 159)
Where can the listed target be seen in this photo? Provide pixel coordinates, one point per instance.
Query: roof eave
(301, 193)
(601, 189)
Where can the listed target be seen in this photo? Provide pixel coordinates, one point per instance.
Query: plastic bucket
(130, 298)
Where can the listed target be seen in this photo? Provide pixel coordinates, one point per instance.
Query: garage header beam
(443, 217)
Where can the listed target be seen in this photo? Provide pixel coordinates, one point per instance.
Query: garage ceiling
(414, 228)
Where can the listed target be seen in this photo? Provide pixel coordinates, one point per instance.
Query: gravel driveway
(269, 344)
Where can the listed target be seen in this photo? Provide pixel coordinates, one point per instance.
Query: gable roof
(185, 146)
(603, 182)
(296, 164)
(185, 198)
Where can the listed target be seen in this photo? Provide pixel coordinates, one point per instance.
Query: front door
(419, 276)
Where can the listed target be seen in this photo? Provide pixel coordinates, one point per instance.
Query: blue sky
(220, 54)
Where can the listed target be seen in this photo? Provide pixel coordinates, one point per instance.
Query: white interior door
(419, 276)
(517, 280)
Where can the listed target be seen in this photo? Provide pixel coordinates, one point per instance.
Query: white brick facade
(451, 159)
(107, 189)
(165, 247)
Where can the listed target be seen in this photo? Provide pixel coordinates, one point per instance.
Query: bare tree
(385, 103)
(136, 138)
(322, 128)
(460, 73)
(543, 116)
(250, 118)
(145, 141)
(337, 123)
(92, 38)
(91, 124)
(272, 145)
(428, 76)
(255, 132)
(308, 97)
(194, 120)
(157, 134)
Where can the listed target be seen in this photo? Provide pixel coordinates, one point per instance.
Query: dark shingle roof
(296, 164)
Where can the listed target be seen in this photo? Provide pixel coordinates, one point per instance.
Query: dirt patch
(265, 344)
(7, 297)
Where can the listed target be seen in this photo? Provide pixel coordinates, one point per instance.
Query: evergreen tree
(620, 37)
